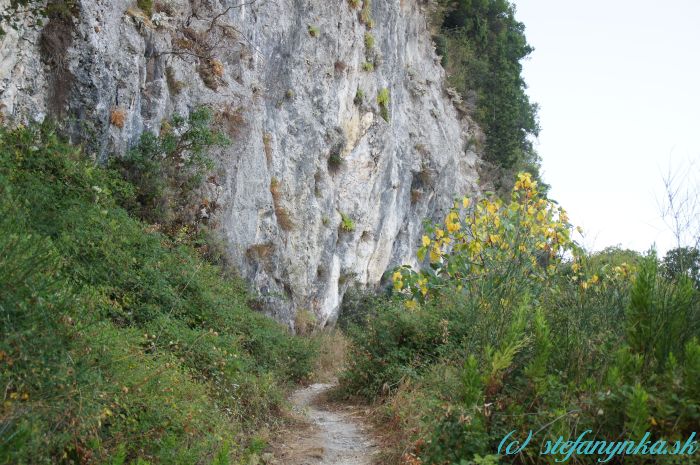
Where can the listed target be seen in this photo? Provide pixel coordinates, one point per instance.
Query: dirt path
(326, 435)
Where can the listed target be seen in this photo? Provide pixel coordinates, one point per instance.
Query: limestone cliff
(309, 149)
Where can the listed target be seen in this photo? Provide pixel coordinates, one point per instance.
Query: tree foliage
(482, 45)
(683, 261)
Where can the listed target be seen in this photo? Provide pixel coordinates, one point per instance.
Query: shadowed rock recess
(343, 121)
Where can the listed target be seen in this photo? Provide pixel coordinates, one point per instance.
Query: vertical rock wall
(283, 78)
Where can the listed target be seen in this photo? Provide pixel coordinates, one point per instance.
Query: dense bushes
(482, 44)
(116, 339)
(167, 170)
(510, 326)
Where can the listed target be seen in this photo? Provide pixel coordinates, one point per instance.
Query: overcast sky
(618, 84)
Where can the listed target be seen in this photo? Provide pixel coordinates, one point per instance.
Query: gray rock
(293, 97)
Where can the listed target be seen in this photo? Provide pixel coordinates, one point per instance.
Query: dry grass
(304, 322)
(397, 423)
(333, 347)
(174, 85)
(217, 67)
(260, 251)
(231, 120)
(263, 255)
(117, 117)
(366, 14)
(275, 190)
(140, 18)
(416, 195)
(284, 219)
(267, 144)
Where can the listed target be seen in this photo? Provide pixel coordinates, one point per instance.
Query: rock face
(343, 141)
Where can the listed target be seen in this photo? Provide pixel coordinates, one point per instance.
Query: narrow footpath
(326, 434)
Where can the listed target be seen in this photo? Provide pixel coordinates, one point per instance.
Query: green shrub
(369, 41)
(441, 49)
(383, 100)
(335, 160)
(502, 330)
(168, 170)
(368, 66)
(346, 223)
(359, 97)
(366, 14)
(146, 6)
(116, 340)
(314, 31)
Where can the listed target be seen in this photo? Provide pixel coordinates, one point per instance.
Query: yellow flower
(423, 285)
(439, 232)
(410, 304)
(397, 276)
(474, 247)
(524, 182)
(452, 222)
(575, 267)
(465, 202)
(426, 241)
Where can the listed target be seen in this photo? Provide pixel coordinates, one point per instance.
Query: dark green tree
(683, 261)
(482, 46)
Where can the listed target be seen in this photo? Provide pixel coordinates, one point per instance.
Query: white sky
(618, 84)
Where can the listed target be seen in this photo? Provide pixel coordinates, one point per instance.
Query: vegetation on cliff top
(482, 45)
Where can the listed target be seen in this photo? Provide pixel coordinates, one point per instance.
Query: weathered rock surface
(283, 76)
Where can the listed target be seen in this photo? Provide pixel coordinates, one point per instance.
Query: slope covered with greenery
(510, 326)
(120, 344)
(482, 45)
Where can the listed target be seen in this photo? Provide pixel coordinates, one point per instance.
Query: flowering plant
(527, 237)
